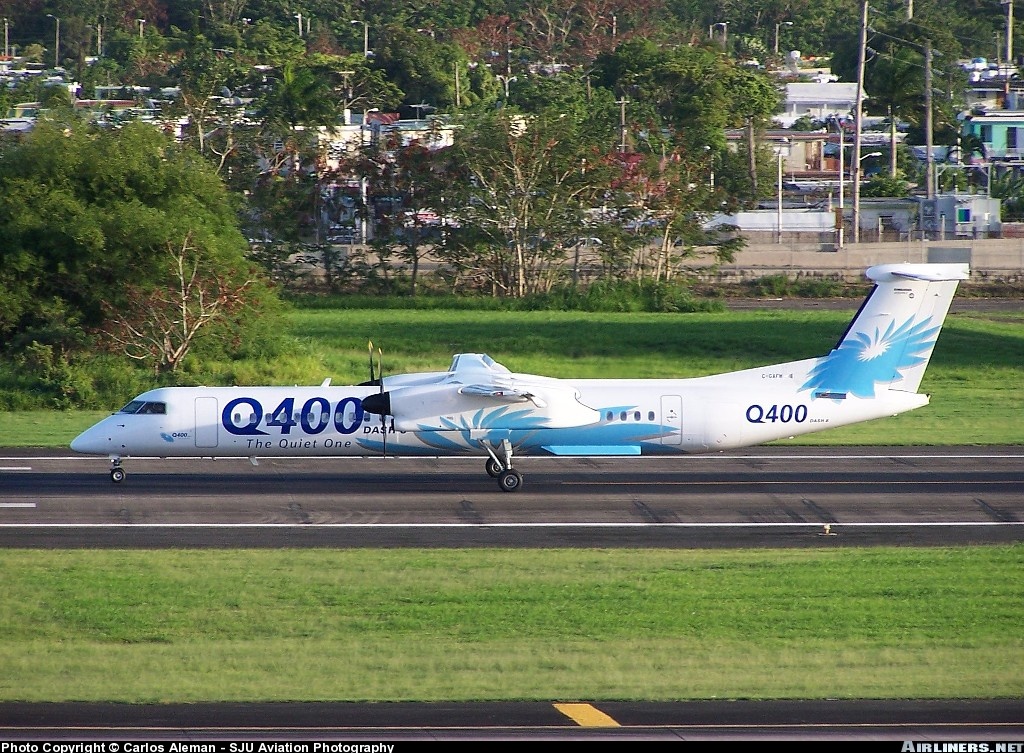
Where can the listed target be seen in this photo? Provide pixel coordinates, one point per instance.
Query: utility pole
(622, 124)
(751, 155)
(842, 180)
(929, 164)
(861, 55)
(1009, 31)
(56, 41)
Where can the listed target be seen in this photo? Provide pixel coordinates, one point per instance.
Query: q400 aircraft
(480, 407)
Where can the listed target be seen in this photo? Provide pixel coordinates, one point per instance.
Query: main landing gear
(509, 479)
(117, 473)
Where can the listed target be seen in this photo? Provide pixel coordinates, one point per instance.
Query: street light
(784, 23)
(505, 81)
(56, 41)
(842, 181)
(142, 27)
(366, 37)
(780, 150)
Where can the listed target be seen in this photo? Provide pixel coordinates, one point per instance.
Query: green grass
(167, 626)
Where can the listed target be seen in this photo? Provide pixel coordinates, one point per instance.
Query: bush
(619, 295)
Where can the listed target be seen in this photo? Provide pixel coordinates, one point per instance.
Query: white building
(817, 101)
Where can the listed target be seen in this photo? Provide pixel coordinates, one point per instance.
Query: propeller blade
(382, 393)
(369, 346)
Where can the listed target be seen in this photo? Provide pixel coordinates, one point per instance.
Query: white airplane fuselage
(644, 416)
(480, 407)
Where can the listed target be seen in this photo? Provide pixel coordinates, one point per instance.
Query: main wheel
(510, 480)
(117, 475)
(493, 468)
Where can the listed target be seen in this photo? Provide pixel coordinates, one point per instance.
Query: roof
(823, 93)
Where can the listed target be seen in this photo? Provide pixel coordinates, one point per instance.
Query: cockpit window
(144, 407)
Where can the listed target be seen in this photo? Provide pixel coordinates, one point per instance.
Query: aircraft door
(672, 418)
(206, 421)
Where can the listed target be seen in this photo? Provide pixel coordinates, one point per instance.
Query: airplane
(480, 407)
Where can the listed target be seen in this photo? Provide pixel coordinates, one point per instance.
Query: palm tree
(895, 89)
(300, 97)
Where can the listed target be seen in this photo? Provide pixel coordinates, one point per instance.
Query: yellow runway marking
(586, 715)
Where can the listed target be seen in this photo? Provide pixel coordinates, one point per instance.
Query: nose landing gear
(117, 473)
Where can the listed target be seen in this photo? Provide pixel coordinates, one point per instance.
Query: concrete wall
(1000, 260)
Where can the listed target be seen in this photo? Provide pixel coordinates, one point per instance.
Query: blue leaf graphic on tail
(864, 359)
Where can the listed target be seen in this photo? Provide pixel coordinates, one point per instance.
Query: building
(1000, 131)
(817, 101)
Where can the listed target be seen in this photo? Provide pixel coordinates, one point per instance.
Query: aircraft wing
(502, 393)
(480, 393)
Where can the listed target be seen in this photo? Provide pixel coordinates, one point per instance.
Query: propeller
(379, 403)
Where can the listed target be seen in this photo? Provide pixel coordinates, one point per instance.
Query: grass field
(163, 626)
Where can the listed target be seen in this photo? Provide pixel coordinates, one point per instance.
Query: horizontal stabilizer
(926, 272)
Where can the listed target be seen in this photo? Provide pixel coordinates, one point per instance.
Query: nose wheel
(117, 473)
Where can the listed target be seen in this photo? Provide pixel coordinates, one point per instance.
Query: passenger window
(650, 415)
(622, 416)
(636, 416)
(610, 416)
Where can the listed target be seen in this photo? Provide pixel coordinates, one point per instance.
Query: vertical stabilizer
(888, 344)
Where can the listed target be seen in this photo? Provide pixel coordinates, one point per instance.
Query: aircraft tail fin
(890, 341)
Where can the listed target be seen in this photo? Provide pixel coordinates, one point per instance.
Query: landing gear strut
(117, 473)
(509, 479)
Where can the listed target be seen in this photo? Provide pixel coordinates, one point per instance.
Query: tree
(695, 92)
(86, 218)
(161, 324)
(426, 70)
(203, 76)
(894, 88)
(532, 178)
(299, 96)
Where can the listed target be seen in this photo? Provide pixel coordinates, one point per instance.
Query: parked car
(341, 235)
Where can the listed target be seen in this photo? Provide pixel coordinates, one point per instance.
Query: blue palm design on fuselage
(521, 428)
(864, 359)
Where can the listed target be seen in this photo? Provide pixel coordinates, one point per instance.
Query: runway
(761, 497)
(870, 720)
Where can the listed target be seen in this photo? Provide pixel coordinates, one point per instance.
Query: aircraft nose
(90, 441)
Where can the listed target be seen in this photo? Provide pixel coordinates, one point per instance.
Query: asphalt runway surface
(760, 497)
